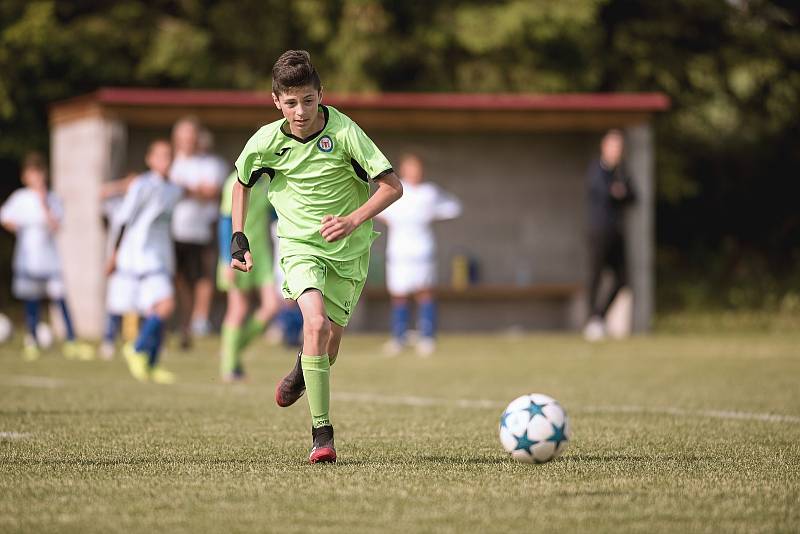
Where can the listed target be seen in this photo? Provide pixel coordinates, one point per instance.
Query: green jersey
(327, 173)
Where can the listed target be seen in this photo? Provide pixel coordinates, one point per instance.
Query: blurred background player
(201, 176)
(112, 194)
(34, 214)
(287, 328)
(237, 330)
(610, 191)
(142, 263)
(411, 253)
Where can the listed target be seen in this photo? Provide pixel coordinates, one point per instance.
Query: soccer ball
(6, 328)
(534, 428)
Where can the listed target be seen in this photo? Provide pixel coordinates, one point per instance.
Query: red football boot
(322, 450)
(292, 386)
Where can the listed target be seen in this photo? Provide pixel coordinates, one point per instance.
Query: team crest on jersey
(325, 143)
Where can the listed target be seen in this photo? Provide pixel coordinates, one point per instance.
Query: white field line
(13, 435)
(32, 381)
(408, 400)
(412, 400)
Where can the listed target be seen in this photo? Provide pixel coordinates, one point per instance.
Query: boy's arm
(240, 249)
(389, 191)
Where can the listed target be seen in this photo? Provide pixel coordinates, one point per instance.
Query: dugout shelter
(517, 162)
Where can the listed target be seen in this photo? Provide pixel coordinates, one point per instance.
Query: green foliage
(731, 68)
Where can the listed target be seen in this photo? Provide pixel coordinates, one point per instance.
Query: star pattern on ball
(558, 436)
(504, 419)
(524, 444)
(536, 409)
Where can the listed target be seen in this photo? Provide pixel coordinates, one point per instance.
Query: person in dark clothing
(610, 191)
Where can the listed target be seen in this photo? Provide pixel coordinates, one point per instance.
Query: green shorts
(340, 282)
(261, 275)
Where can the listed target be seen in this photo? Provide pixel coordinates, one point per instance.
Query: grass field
(671, 432)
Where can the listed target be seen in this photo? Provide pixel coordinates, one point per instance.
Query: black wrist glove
(239, 245)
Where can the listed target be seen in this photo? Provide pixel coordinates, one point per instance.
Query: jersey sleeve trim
(255, 175)
(383, 173)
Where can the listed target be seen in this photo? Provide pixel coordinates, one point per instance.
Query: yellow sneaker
(137, 363)
(31, 352)
(78, 350)
(162, 376)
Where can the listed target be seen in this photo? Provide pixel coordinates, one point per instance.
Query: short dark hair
(294, 69)
(34, 161)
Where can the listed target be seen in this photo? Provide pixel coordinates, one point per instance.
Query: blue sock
(427, 318)
(399, 320)
(148, 335)
(67, 319)
(156, 342)
(32, 317)
(113, 324)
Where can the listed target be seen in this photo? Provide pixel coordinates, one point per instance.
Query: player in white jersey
(142, 263)
(201, 176)
(34, 214)
(411, 253)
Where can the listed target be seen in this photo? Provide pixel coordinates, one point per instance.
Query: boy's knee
(318, 325)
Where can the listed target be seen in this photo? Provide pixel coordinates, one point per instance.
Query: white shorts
(131, 293)
(404, 277)
(26, 287)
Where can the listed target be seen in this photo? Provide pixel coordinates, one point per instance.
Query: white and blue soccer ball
(534, 428)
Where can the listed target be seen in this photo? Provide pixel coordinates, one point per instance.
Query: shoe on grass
(159, 375)
(78, 350)
(30, 350)
(137, 363)
(322, 448)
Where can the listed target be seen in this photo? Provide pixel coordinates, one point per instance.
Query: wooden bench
(484, 292)
(490, 307)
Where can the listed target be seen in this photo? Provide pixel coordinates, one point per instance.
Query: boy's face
(34, 178)
(411, 170)
(185, 138)
(299, 106)
(159, 158)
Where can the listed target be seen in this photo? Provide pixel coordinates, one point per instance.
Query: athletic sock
(253, 328)
(32, 317)
(156, 340)
(399, 320)
(231, 343)
(113, 325)
(427, 319)
(317, 375)
(67, 319)
(148, 339)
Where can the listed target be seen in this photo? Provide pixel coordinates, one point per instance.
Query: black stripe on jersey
(360, 172)
(256, 174)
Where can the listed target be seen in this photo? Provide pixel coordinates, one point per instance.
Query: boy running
(237, 332)
(318, 163)
(34, 214)
(142, 263)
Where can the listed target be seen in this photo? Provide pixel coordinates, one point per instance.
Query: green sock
(317, 374)
(251, 330)
(231, 340)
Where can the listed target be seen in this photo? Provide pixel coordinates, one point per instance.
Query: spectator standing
(194, 220)
(610, 192)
